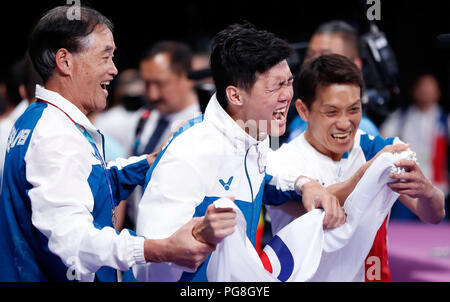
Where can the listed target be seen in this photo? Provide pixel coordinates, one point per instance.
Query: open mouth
(104, 86)
(341, 137)
(280, 114)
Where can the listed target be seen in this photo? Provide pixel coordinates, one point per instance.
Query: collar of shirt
(65, 105)
(240, 139)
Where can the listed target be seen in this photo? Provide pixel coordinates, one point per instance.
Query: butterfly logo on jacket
(226, 185)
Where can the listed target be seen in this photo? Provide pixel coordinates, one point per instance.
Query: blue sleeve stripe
(274, 196)
(371, 147)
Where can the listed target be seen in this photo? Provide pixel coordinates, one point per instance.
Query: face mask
(133, 102)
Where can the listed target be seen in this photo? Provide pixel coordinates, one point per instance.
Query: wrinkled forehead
(278, 72)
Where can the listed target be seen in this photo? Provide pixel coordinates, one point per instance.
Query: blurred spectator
(171, 101)
(200, 71)
(333, 37)
(21, 86)
(424, 125)
(2, 98)
(201, 52)
(171, 97)
(119, 121)
(11, 92)
(200, 61)
(201, 74)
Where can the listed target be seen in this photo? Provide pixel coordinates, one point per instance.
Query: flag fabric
(260, 234)
(439, 154)
(302, 250)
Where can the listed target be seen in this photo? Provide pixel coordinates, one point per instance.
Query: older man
(58, 200)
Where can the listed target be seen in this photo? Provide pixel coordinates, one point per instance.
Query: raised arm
(343, 189)
(418, 193)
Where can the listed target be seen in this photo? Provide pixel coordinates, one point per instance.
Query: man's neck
(189, 101)
(64, 90)
(321, 149)
(248, 126)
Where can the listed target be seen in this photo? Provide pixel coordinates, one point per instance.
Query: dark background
(410, 26)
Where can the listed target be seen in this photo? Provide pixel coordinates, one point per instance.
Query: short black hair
(241, 50)
(55, 30)
(344, 30)
(179, 53)
(324, 71)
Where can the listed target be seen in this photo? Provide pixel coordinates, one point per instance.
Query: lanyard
(98, 156)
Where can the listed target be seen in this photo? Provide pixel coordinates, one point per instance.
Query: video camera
(381, 75)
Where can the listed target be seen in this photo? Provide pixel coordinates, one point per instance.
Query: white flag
(303, 251)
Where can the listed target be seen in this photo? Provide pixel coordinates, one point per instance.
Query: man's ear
(302, 109)
(64, 61)
(233, 95)
(358, 62)
(23, 92)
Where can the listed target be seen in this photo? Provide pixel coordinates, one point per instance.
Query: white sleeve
(62, 202)
(174, 191)
(285, 167)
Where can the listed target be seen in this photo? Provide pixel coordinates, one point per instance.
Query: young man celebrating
(335, 153)
(223, 154)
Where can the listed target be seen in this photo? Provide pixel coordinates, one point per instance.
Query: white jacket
(55, 214)
(209, 158)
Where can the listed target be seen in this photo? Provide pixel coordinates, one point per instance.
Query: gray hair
(55, 31)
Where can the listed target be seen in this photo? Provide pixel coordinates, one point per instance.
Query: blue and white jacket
(55, 211)
(208, 158)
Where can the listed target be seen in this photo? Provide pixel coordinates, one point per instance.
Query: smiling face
(93, 70)
(265, 107)
(333, 119)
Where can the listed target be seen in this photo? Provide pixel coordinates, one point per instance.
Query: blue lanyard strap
(105, 169)
(98, 156)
